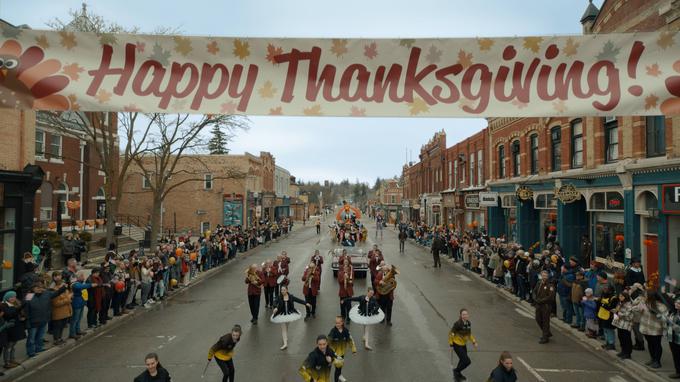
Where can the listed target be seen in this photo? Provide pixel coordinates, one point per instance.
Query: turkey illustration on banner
(593, 75)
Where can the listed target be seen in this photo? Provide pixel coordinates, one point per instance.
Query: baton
(205, 368)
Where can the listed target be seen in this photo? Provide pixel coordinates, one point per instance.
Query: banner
(592, 75)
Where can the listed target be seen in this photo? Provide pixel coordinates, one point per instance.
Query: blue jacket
(78, 287)
(589, 309)
(564, 286)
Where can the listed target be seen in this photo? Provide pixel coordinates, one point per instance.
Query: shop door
(652, 260)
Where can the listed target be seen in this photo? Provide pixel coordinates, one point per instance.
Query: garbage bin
(118, 230)
(147, 238)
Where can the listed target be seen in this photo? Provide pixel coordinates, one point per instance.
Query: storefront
(509, 206)
(546, 204)
(670, 207)
(606, 209)
(449, 206)
(474, 215)
(431, 209)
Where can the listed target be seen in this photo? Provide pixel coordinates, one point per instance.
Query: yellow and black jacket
(316, 368)
(461, 333)
(339, 341)
(223, 349)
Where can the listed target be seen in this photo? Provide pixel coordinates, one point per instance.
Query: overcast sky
(314, 148)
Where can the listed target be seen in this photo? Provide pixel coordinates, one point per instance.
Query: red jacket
(345, 292)
(378, 279)
(284, 270)
(318, 261)
(315, 283)
(255, 289)
(270, 277)
(374, 259)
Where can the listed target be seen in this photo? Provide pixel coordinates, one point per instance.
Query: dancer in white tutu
(366, 313)
(285, 313)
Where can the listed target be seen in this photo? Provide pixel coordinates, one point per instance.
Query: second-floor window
(207, 181)
(146, 182)
(450, 175)
(455, 173)
(556, 149)
(515, 159)
(393, 199)
(533, 141)
(472, 169)
(462, 170)
(611, 139)
(480, 168)
(656, 137)
(501, 161)
(576, 143)
(39, 143)
(55, 146)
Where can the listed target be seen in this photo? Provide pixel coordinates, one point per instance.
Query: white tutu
(283, 318)
(365, 320)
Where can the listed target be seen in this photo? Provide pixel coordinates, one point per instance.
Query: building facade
(390, 197)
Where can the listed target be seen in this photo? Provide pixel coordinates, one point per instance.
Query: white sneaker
(151, 301)
(147, 305)
(342, 378)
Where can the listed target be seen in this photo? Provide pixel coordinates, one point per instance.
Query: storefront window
(610, 201)
(7, 235)
(609, 239)
(511, 223)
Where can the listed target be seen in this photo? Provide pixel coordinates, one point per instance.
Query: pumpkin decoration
(6, 264)
(618, 237)
(178, 252)
(647, 242)
(193, 256)
(552, 228)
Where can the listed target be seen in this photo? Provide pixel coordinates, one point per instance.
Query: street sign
(488, 199)
(472, 201)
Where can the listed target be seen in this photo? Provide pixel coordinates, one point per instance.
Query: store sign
(258, 211)
(524, 193)
(472, 201)
(670, 203)
(488, 199)
(567, 193)
(590, 75)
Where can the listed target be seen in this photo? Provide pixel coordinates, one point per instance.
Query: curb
(32, 365)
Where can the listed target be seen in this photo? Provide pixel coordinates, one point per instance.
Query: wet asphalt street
(415, 349)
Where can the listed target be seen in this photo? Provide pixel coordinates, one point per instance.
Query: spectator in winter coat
(623, 322)
(652, 321)
(567, 277)
(39, 313)
(80, 299)
(634, 273)
(12, 312)
(61, 308)
(68, 247)
(602, 283)
(605, 315)
(577, 290)
(589, 313)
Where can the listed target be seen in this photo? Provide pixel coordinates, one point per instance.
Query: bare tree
(173, 140)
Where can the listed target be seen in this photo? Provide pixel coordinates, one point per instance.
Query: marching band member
(311, 280)
(254, 280)
(386, 299)
(285, 312)
(344, 256)
(270, 276)
(339, 339)
(317, 259)
(223, 351)
(366, 313)
(317, 366)
(346, 283)
(375, 257)
(282, 269)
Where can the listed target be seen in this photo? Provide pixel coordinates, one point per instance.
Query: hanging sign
(593, 75)
(567, 193)
(524, 193)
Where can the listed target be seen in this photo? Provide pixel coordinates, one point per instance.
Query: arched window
(100, 193)
(556, 150)
(515, 158)
(62, 198)
(533, 154)
(501, 161)
(46, 201)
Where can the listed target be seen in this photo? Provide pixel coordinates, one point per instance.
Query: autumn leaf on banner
(131, 108)
(140, 46)
(434, 55)
(371, 50)
(464, 58)
(272, 52)
(519, 104)
(73, 71)
(609, 52)
(533, 43)
(107, 39)
(179, 105)
(357, 112)
(68, 40)
(276, 111)
(653, 70)
(560, 106)
(651, 102)
(485, 43)
(241, 49)
(267, 91)
(228, 107)
(571, 48)
(182, 45)
(418, 106)
(160, 55)
(42, 42)
(314, 110)
(73, 100)
(463, 102)
(666, 39)
(103, 96)
(10, 31)
(407, 42)
(213, 48)
(339, 47)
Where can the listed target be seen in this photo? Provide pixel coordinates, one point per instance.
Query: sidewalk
(52, 353)
(634, 366)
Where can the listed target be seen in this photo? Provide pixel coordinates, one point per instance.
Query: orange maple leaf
(519, 104)
(103, 96)
(213, 48)
(241, 49)
(533, 43)
(272, 52)
(73, 100)
(485, 43)
(42, 41)
(651, 101)
(228, 107)
(371, 50)
(313, 110)
(357, 111)
(418, 106)
(560, 106)
(73, 71)
(653, 70)
(339, 47)
(464, 58)
(276, 111)
(182, 45)
(68, 40)
(571, 48)
(665, 39)
(268, 90)
(131, 108)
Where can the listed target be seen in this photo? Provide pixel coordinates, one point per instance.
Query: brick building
(390, 196)
(216, 189)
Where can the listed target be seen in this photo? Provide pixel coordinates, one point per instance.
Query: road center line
(531, 370)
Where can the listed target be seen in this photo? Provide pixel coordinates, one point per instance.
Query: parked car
(359, 260)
